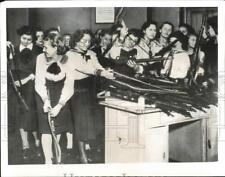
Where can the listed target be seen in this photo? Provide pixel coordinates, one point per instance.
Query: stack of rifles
(162, 93)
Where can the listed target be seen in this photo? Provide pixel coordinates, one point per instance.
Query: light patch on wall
(105, 14)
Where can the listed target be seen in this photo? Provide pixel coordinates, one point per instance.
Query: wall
(15, 19)
(134, 17)
(69, 19)
(161, 14)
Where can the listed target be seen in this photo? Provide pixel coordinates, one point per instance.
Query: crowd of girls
(58, 75)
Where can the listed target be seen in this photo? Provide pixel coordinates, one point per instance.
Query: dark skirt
(63, 121)
(28, 118)
(82, 110)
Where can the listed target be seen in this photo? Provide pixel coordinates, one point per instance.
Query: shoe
(25, 154)
(69, 153)
(38, 151)
(82, 151)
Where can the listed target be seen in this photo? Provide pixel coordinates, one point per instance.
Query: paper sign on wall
(105, 14)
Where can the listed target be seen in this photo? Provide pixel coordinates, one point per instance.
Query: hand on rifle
(131, 63)
(108, 73)
(17, 83)
(9, 44)
(200, 71)
(25, 80)
(32, 77)
(137, 68)
(55, 111)
(47, 106)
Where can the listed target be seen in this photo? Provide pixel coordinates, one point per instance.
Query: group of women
(55, 73)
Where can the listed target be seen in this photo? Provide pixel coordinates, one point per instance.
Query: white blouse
(142, 50)
(42, 74)
(180, 65)
(81, 67)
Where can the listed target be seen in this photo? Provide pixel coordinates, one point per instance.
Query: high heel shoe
(83, 155)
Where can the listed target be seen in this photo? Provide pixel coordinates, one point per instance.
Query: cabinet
(135, 134)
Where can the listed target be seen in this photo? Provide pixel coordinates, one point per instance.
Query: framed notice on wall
(105, 14)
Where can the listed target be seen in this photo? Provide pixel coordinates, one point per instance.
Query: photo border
(137, 169)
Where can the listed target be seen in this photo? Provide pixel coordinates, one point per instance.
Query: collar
(146, 41)
(30, 46)
(84, 54)
(178, 51)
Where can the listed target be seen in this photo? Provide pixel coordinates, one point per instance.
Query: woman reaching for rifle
(85, 64)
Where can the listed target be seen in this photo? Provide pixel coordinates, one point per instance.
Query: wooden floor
(96, 153)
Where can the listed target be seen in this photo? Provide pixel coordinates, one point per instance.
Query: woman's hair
(104, 32)
(51, 29)
(56, 42)
(166, 23)
(25, 30)
(213, 21)
(79, 34)
(189, 28)
(181, 37)
(161, 26)
(136, 32)
(147, 24)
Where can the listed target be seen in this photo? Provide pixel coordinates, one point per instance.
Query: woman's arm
(40, 81)
(68, 88)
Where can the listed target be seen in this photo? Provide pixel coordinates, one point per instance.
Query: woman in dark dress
(54, 85)
(39, 41)
(24, 74)
(85, 64)
(197, 62)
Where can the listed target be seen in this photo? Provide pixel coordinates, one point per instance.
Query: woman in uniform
(54, 86)
(85, 64)
(124, 54)
(180, 63)
(192, 40)
(24, 74)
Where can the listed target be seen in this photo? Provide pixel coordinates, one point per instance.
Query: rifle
(195, 67)
(17, 91)
(166, 49)
(11, 56)
(124, 60)
(55, 141)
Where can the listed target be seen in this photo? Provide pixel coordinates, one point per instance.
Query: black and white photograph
(98, 85)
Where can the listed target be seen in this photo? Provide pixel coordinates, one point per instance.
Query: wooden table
(134, 133)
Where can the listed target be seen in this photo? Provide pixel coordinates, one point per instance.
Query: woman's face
(192, 41)
(106, 40)
(166, 30)
(130, 41)
(49, 50)
(66, 40)
(40, 36)
(84, 43)
(183, 30)
(26, 40)
(150, 32)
